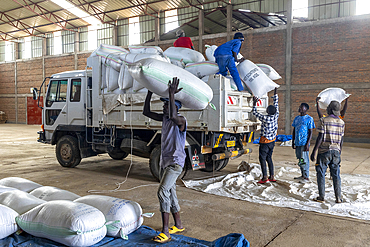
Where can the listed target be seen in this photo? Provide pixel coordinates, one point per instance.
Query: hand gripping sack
(330, 94)
(185, 54)
(19, 183)
(8, 225)
(202, 69)
(210, 51)
(49, 193)
(65, 222)
(155, 75)
(20, 201)
(126, 215)
(269, 71)
(255, 79)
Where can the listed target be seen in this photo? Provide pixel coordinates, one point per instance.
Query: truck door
(55, 110)
(76, 111)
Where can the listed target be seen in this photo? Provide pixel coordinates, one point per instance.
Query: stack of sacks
(19, 183)
(155, 75)
(8, 225)
(329, 94)
(19, 201)
(125, 215)
(66, 222)
(49, 193)
(183, 55)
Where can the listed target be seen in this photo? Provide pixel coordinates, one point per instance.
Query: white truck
(83, 121)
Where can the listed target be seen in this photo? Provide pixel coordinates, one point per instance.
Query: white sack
(186, 54)
(255, 79)
(210, 51)
(205, 79)
(121, 75)
(127, 79)
(155, 75)
(49, 193)
(110, 55)
(134, 57)
(330, 94)
(66, 222)
(6, 188)
(8, 225)
(136, 86)
(103, 76)
(178, 63)
(119, 91)
(112, 78)
(19, 183)
(145, 49)
(269, 71)
(127, 214)
(19, 201)
(202, 69)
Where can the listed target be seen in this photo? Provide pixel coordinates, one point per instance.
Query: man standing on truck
(183, 41)
(269, 128)
(226, 55)
(172, 158)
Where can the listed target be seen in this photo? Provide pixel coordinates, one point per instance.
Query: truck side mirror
(34, 93)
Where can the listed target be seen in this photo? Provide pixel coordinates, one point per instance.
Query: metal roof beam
(253, 19)
(97, 12)
(7, 19)
(44, 12)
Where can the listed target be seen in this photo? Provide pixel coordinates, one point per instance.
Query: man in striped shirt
(269, 128)
(329, 145)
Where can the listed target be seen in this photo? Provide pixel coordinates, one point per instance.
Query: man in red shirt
(183, 41)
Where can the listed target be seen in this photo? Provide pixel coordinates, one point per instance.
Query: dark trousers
(265, 154)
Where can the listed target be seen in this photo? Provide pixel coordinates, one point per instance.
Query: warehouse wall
(329, 53)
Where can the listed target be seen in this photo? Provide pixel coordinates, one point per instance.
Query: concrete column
(77, 48)
(115, 35)
(229, 23)
(201, 30)
(288, 68)
(157, 31)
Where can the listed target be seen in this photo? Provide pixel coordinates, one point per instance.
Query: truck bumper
(42, 138)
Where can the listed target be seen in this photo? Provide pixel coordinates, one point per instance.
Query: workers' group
(173, 136)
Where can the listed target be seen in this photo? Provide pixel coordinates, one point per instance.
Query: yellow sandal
(174, 229)
(162, 238)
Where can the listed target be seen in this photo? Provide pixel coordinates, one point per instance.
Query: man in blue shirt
(302, 134)
(227, 54)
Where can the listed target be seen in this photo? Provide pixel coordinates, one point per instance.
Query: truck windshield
(57, 92)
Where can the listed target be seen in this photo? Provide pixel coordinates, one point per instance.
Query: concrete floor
(205, 216)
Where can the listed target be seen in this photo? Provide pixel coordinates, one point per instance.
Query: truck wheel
(118, 154)
(67, 151)
(222, 164)
(154, 166)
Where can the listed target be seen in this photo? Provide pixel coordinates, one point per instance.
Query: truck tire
(154, 166)
(118, 154)
(67, 151)
(222, 164)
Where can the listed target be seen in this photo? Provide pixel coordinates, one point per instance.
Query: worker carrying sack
(125, 215)
(8, 225)
(329, 94)
(155, 75)
(255, 79)
(65, 222)
(19, 183)
(185, 54)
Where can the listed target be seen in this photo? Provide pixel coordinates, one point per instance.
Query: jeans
(227, 62)
(167, 189)
(265, 154)
(331, 159)
(304, 161)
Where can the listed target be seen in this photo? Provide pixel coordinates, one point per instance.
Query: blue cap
(177, 103)
(238, 35)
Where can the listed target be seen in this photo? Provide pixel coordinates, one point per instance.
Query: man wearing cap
(183, 41)
(226, 55)
(329, 145)
(172, 160)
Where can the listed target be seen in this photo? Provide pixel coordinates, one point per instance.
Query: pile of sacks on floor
(142, 68)
(62, 216)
